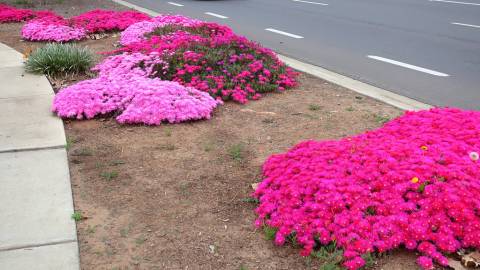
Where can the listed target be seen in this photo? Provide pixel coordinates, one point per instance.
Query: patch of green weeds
(91, 230)
(330, 255)
(269, 232)
(77, 216)
(109, 175)
(350, 109)
(69, 144)
(251, 200)
(117, 162)
(140, 240)
(268, 120)
(167, 147)
(236, 152)
(168, 132)
(382, 119)
(314, 107)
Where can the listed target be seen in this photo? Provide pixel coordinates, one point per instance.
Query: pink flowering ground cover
(123, 88)
(97, 21)
(11, 14)
(412, 183)
(52, 29)
(48, 26)
(134, 99)
(209, 57)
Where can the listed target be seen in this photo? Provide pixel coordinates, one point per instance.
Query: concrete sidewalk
(36, 229)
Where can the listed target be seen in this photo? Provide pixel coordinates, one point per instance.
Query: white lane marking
(175, 4)
(309, 2)
(466, 24)
(456, 2)
(405, 65)
(216, 15)
(283, 33)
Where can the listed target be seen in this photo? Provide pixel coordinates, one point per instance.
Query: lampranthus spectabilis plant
(10, 14)
(412, 183)
(134, 99)
(209, 57)
(48, 26)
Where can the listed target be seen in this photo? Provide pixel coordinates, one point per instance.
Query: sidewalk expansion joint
(32, 149)
(38, 245)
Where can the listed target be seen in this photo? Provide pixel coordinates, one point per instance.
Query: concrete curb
(383, 95)
(36, 228)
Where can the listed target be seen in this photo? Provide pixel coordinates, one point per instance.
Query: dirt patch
(176, 196)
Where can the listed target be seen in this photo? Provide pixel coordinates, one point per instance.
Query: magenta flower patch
(97, 21)
(134, 99)
(51, 29)
(411, 183)
(48, 26)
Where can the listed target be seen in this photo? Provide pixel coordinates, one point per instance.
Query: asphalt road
(428, 50)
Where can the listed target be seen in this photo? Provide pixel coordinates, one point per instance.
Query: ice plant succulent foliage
(11, 14)
(123, 88)
(48, 26)
(52, 29)
(135, 99)
(209, 57)
(411, 183)
(97, 21)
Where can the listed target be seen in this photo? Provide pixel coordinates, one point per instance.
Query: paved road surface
(428, 50)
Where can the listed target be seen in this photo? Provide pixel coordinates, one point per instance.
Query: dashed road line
(456, 2)
(175, 4)
(309, 2)
(405, 65)
(466, 24)
(283, 33)
(216, 15)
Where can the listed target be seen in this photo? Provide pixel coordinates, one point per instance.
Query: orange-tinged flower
(414, 180)
(424, 148)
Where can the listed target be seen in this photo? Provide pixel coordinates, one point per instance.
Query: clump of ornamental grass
(60, 59)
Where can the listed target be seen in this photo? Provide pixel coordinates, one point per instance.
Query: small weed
(117, 162)
(208, 147)
(99, 165)
(242, 267)
(84, 151)
(369, 260)
(250, 200)
(140, 240)
(269, 232)
(77, 216)
(109, 175)
(125, 231)
(168, 147)
(28, 3)
(268, 120)
(69, 144)
(330, 266)
(382, 119)
(235, 152)
(350, 109)
(91, 230)
(168, 132)
(330, 255)
(314, 107)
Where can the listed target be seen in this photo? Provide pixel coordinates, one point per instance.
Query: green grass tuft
(60, 59)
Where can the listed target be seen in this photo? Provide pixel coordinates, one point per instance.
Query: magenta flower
(359, 190)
